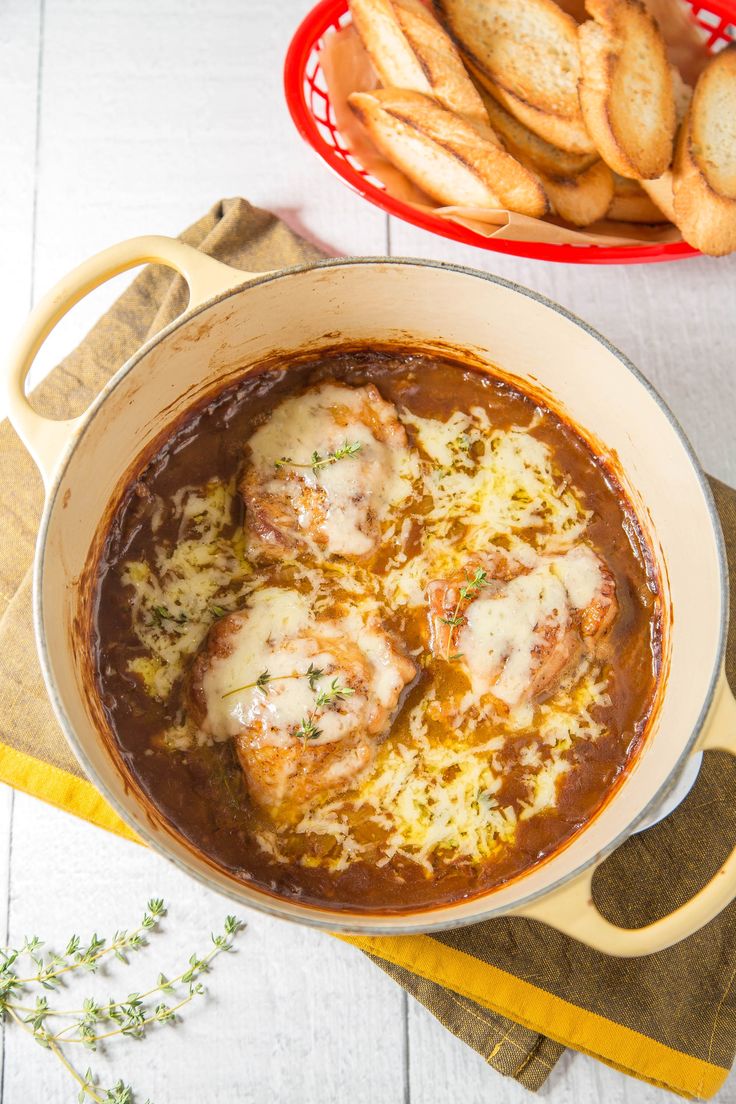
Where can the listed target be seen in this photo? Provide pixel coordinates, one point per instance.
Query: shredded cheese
(175, 599)
(435, 793)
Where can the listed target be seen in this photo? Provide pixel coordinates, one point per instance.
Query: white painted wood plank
(294, 1015)
(19, 52)
(7, 799)
(19, 57)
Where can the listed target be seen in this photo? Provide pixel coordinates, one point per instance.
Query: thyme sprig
(308, 729)
(468, 591)
(264, 680)
(318, 461)
(261, 683)
(95, 1023)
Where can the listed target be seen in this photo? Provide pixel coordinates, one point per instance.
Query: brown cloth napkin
(677, 1009)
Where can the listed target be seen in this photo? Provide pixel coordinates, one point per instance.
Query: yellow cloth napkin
(517, 991)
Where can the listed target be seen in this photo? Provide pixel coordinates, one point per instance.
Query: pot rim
(364, 923)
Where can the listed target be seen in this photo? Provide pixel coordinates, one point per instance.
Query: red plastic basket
(310, 108)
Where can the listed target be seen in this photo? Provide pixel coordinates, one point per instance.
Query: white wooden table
(123, 117)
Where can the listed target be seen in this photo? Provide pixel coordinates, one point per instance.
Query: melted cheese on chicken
(507, 635)
(501, 633)
(278, 636)
(325, 470)
(310, 722)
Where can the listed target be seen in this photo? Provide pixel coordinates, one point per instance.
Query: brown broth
(201, 791)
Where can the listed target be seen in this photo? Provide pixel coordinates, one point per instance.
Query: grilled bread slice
(631, 203)
(451, 159)
(522, 141)
(526, 55)
(704, 174)
(409, 49)
(626, 88)
(659, 190)
(660, 193)
(581, 199)
(579, 186)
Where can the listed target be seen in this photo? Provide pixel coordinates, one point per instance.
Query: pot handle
(45, 438)
(571, 909)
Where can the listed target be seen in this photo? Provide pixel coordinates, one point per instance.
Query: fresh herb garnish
(261, 683)
(313, 673)
(318, 461)
(162, 613)
(472, 587)
(334, 692)
(468, 591)
(308, 729)
(95, 1023)
(217, 611)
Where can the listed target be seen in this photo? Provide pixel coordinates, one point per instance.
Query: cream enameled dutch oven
(234, 321)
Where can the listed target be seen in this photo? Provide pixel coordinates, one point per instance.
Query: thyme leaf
(313, 674)
(473, 585)
(162, 613)
(334, 692)
(308, 729)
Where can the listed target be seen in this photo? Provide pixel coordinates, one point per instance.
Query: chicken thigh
(322, 473)
(519, 629)
(307, 701)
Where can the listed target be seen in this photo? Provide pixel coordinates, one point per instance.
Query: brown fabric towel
(678, 1007)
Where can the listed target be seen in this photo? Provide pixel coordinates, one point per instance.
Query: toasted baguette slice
(683, 95)
(409, 49)
(522, 141)
(581, 199)
(626, 88)
(631, 203)
(579, 186)
(660, 193)
(704, 174)
(525, 53)
(445, 155)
